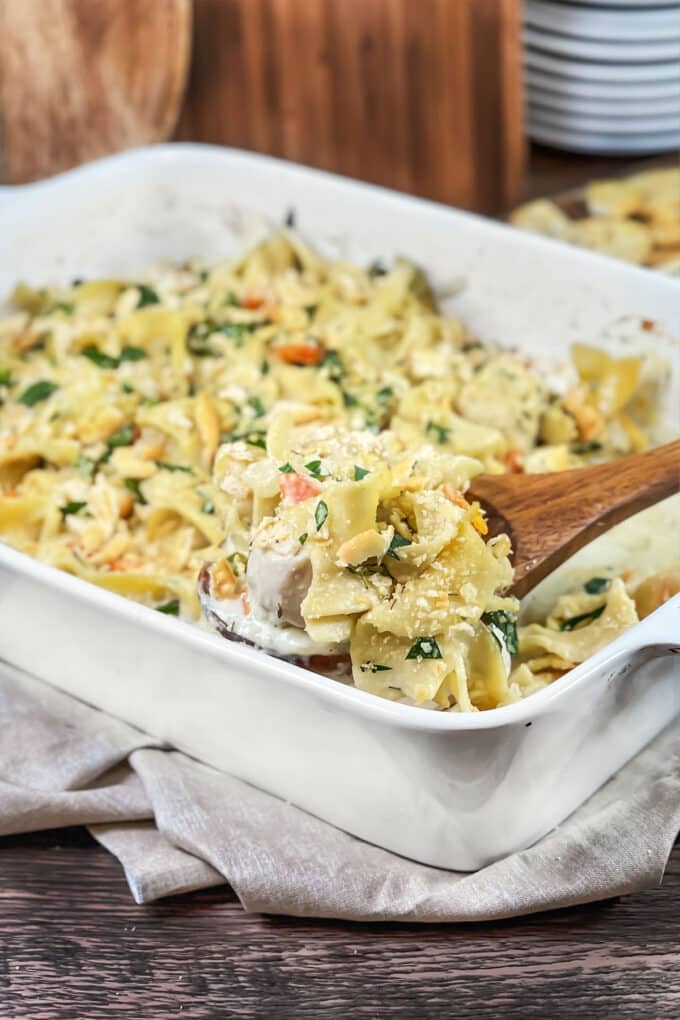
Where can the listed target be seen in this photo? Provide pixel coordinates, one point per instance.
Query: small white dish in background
(584, 70)
(615, 91)
(604, 144)
(639, 124)
(613, 52)
(653, 24)
(610, 109)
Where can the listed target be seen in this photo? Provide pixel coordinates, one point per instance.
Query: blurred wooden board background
(420, 95)
(83, 78)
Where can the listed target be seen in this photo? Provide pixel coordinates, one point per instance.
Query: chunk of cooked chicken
(279, 574)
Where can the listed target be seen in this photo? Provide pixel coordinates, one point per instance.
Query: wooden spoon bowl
(549, 517)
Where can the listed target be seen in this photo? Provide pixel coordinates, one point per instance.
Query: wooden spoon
(550, 516)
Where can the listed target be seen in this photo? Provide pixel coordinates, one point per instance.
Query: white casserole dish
(456, 791)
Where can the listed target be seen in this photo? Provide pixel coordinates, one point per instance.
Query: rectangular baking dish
(455, 791)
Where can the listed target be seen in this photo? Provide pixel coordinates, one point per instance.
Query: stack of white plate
(603, 76)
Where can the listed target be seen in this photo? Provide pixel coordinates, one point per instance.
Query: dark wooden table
(73, 945)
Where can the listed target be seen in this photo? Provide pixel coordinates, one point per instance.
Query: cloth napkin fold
(176, 825)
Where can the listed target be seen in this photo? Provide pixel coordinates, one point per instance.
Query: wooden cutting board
(82, 78)
(420, 95)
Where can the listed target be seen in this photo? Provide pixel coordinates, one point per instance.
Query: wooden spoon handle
(550, 516)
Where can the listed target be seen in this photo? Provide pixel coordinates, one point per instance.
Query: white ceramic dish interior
(452, 790)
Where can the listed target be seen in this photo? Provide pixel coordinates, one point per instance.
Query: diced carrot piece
(252, 302)
(513, 462)
(301, 354)
(245, 603)
(296, 489)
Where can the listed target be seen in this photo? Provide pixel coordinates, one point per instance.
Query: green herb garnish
(72, 507)
(373, 667)
(574, 621)
(98, 357)
(303, 538)
(257, 406)
(170, 608)
(122, 437)
(332, 361)
(398, 542)
(320, 514)
(255, 437)
(84, 466)
(378, 268)
(127, 388)
(238, 330)
(238, 561)
(360, 473)
(207, 506)
(5, 377)
(132, 354)
(64, 306)
(441, 432)
(383, 395)
(287, 469)
(231, 299)
(264, 367)
(37, 391)
(504, 624)
(592, 447)
(596, 585)
(132, 485)
(317, 470)
(147, 296)
(424, 648)
(165, 466)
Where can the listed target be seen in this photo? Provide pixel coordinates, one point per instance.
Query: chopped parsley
(122, 437)
(264, 367)
(165, 466)
(575, 621)
(504, 624)
(373, 667)
(84, 466)
(132, 485)
(5, 377)
(360, 473)
(596, 585)
(132, 354)
(591, 447)
(207, 506)
(287, 469)
(37, 392)
(332, 361)
(64, 306)
(378, 268)
(238, 562)
(255, 437)
(231, 299)
(127, 388)
(383, 395)
(98, 357)
(170, 608)
(303, 538)
(72, 507)
(197, 342)
(398, 542)
(441, 432)
(257, 406)
(320, 514)
(424, 648)
(147, 296)
(317, 470)
(238, 330)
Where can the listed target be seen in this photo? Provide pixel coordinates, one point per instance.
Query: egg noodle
(285, 403)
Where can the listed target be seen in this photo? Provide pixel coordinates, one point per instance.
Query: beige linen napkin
(176, 825)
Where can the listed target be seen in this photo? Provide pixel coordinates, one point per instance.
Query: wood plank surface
(73, 946)
(83, 78)
(420, 96)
